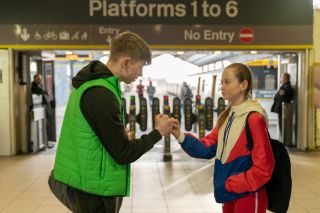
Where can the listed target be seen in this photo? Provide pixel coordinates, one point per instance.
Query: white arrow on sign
(108, 39)
(24, 35)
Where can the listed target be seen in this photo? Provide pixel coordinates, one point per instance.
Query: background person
(185, 92)
(140, 89)
(36, 85)
(284, 94)
(37, 89)
(151, 90)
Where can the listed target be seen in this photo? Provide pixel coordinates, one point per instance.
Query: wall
(316, 35)
(316, 41)
(5, 113)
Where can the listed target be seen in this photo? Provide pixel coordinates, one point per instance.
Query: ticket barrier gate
(155, 110)
(189, 117)
(208, 104)
(176, 113)
(132, 118)
(38, 132)
(196, 109)
(166, 110)
(176, 109)
(221, 105)
(203, 115)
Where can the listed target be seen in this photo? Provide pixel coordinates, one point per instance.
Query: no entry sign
(246, 35)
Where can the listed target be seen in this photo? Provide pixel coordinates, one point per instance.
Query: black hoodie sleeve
(100, 108)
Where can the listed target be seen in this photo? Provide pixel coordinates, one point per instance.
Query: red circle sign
(246, 35)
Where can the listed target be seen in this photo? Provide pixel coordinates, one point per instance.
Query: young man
(92, 165)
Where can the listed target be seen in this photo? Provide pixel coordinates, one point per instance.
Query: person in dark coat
(36, 86)
(37, 89)
(285, 94)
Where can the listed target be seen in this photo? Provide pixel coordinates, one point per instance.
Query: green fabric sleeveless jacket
(81, 160)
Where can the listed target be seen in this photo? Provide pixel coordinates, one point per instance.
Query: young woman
(239, 174)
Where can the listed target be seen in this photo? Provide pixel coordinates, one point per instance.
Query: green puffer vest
(81, 160)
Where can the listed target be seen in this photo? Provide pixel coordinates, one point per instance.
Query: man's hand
(163, 124)
(281, 92)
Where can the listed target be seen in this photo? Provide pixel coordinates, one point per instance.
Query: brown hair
(36, 76)
(131, 45)
(286, 76)
(242, 73)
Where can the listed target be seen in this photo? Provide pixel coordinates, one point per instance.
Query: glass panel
(62, 88)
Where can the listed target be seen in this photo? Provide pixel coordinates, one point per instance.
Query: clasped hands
(166, 125)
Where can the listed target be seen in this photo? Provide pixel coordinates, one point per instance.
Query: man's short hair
(36, 75)
(286, 76)
(131, 45)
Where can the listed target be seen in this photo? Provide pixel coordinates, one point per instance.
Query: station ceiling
(198, 58)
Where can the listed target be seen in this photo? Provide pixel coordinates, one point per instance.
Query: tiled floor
(182, 186)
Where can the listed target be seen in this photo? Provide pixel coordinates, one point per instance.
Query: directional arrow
(108, 39)
(24, 35)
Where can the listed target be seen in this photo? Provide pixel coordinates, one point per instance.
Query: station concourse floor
(181, 186)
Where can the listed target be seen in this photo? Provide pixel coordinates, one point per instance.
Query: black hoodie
(100, 108)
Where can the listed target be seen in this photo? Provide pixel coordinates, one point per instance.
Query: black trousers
(85, 202)
(280, 122)
(81, 202)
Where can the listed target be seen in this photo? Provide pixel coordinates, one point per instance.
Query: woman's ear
(244, 85)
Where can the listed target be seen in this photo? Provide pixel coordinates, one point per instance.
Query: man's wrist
(158, 130)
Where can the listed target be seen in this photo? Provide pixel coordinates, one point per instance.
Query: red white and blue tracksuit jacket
(243, 172)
